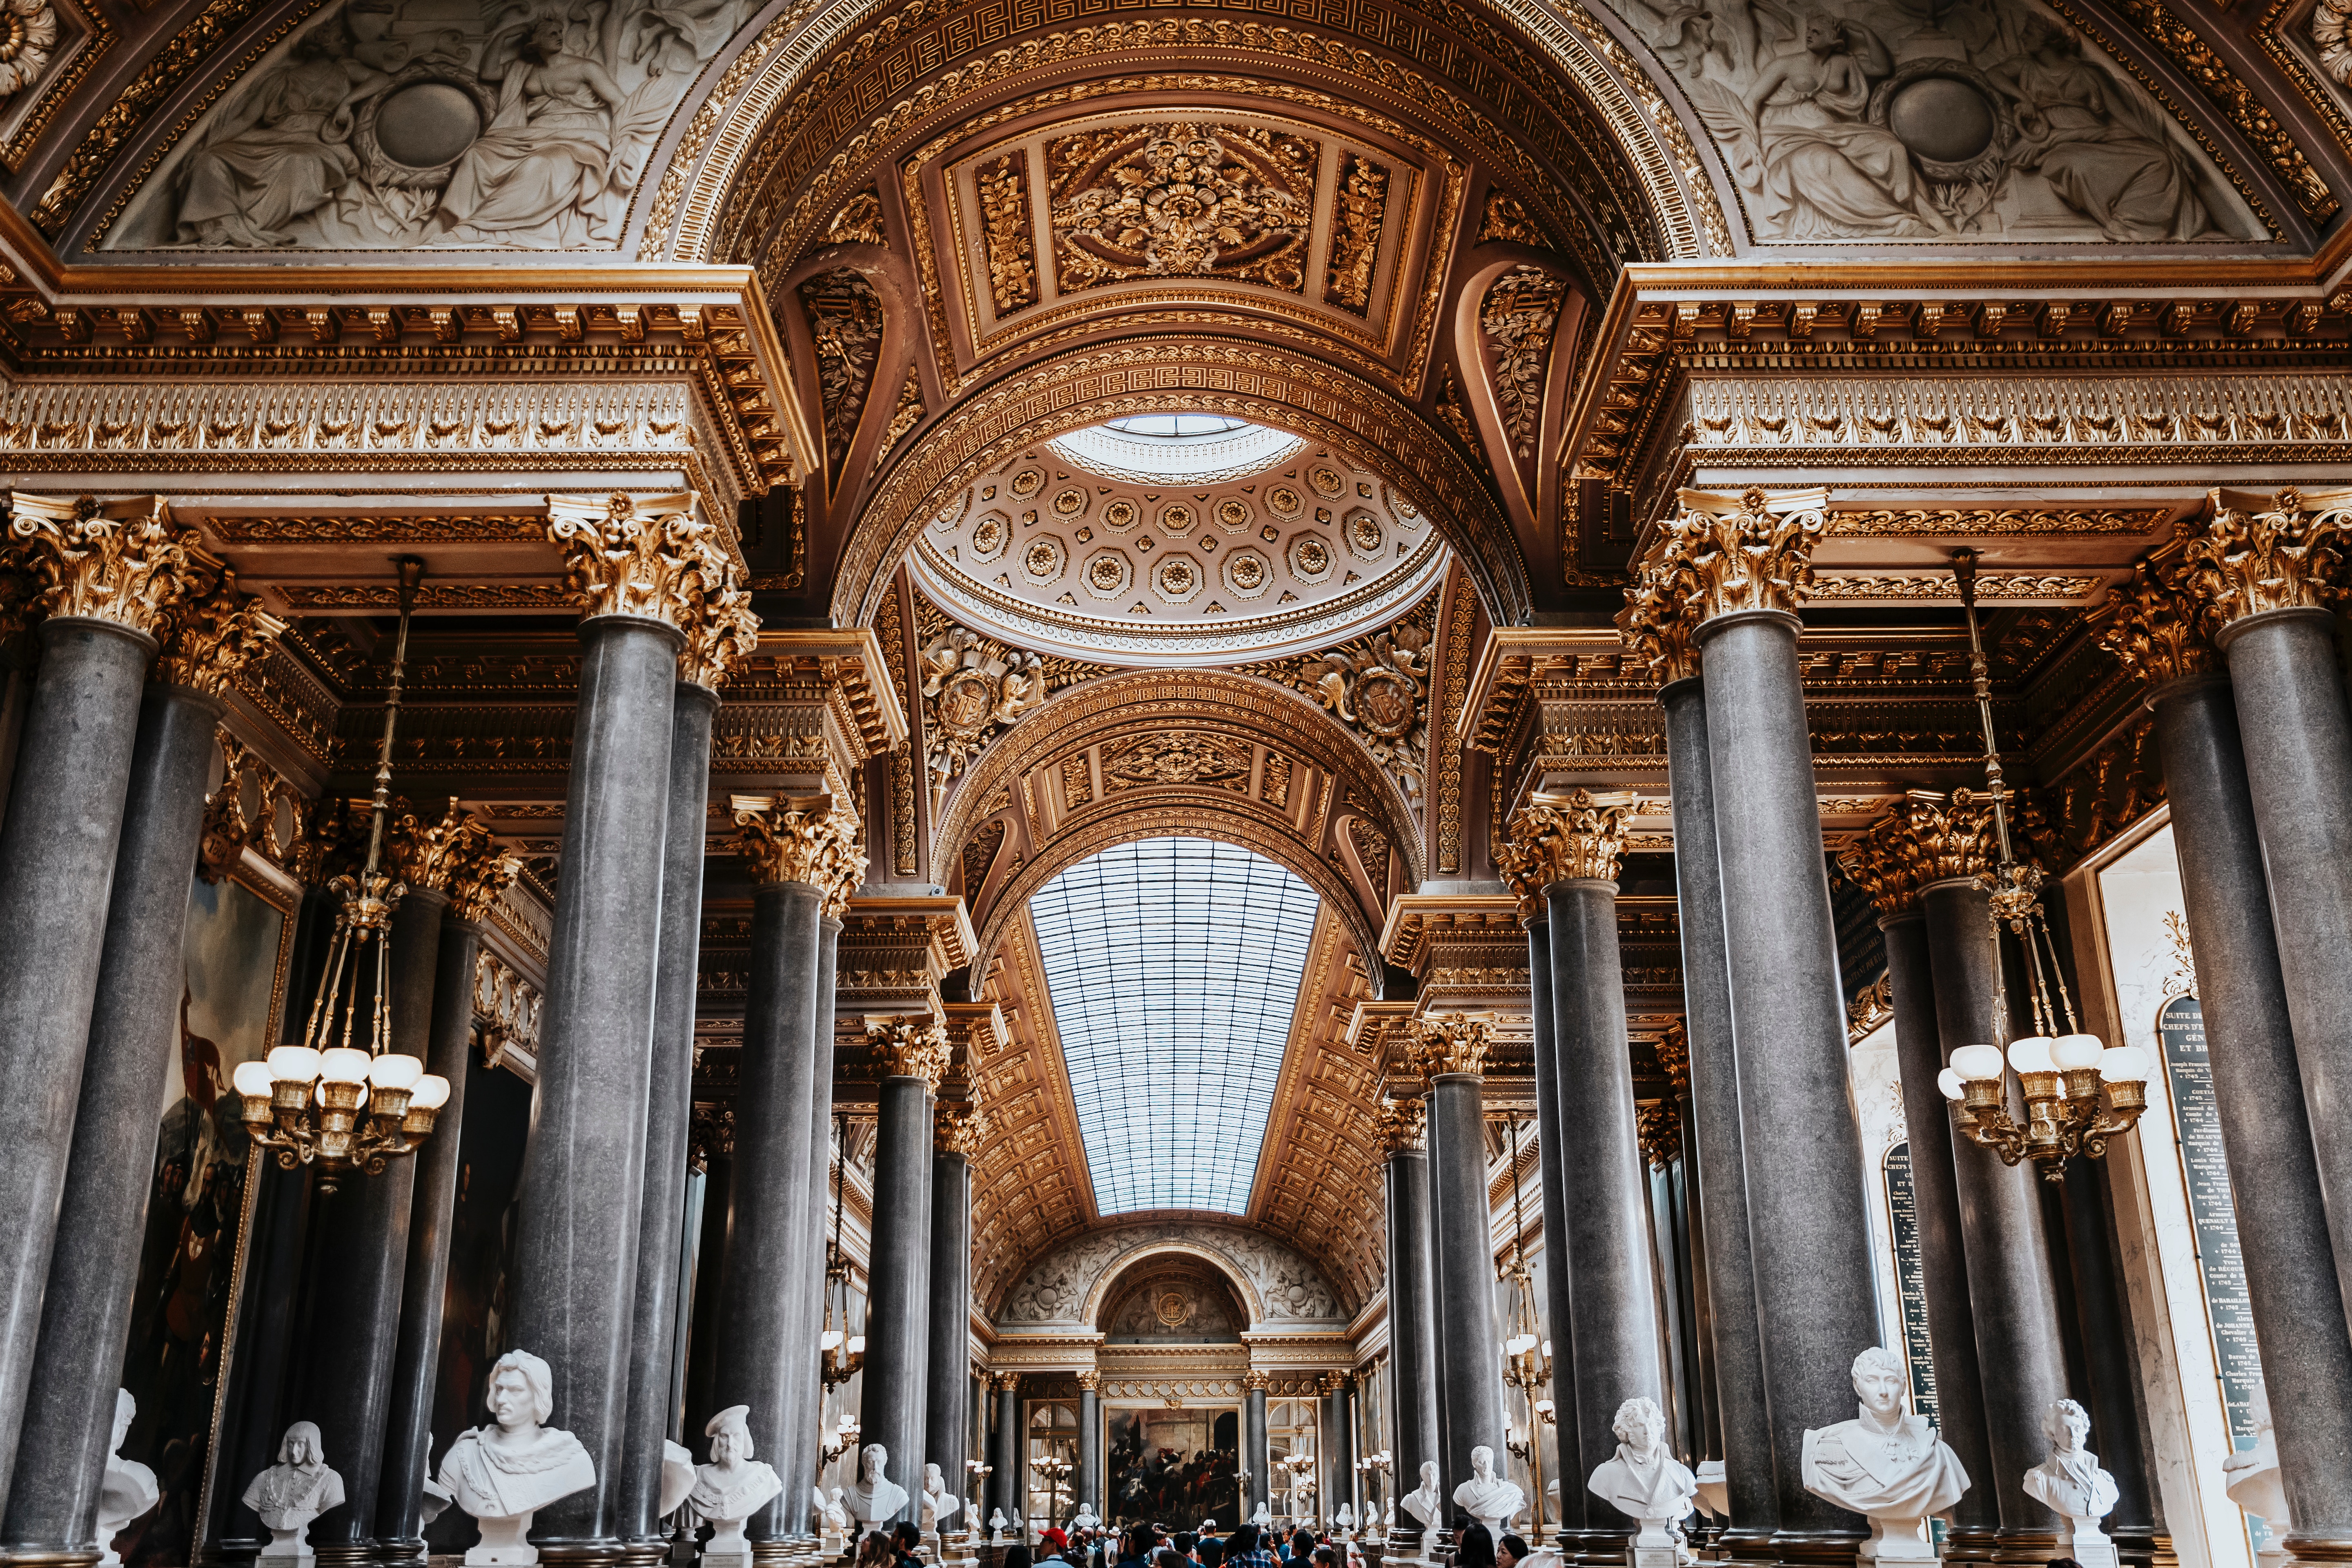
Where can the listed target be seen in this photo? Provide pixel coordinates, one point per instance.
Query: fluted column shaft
(669, 1108)
(432, 1204)
(1715, 1123)
(1613, 1296)
(897, 1306)
(86, 1313)
(1814, 1284)
(574, 1272)
(1469, 1350)
(57, 868)
(1255, 1458)
(1560, 1315)
(948, 1385)
(1936, 1203)
(2266, 1125)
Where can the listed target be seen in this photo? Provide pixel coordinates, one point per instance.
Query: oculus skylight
(1188, 448)
(1174, 967)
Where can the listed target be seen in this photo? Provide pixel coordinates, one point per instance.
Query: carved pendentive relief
(974, 688)
(1078, 782)
(904, 418)
(979, 856)
(1859, 121)
(1183, 757)
(1519, 316)
(844, 322)
(1275, 787)
(1454, 410)
(1182, 200)
(1005, 233)
(1377, 685)
(1358, 210)
(1174, 1306)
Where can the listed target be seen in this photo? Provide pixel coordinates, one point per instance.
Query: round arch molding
(1105, 1289)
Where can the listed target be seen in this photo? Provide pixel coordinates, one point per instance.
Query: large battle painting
(1174, 1467)
(393, 124)
(235, 948)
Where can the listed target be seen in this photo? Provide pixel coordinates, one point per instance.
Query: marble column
(956, 1134)
(802, 1444)
(2110, 1354)
(1338, 1453)
(1573, 843)
(1255, 1461)
(1090, 1437)
(86, 1312)
(1815, 1288)
(1441, 1447)
(2266, 1124)
(652, 1416)
(1412, 1339)
(910, 1054)
(1560, 1317)
(114, 579)
(1454, 1055)
(454, 871)
(1716, 1138)
(575, 1264)
(1004, 1458)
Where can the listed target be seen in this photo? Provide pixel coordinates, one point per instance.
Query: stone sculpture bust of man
(1487, 1497)
(129, 1489)
(2069, 1483)
(876, 1499)
(292, 1492)
(939, 1504)
(731, 1487)
(1423, 1502)
(504, 1472)
(1887, 1465)
(1643, 1480)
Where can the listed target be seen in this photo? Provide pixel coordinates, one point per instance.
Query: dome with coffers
(1124, 546)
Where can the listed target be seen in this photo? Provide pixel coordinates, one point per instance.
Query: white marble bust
(1085, 1519)
(129, 1489)
(1887, 1465)
(2069, 1483)
(939, 1504)
(1488, 1497)
(996, 1527)
(1643, 1480)
(1343, 1517)
(676, 1477)
(1423, 1501)
(730, 1489)
(504, 1473)
(1264, 1516)
(876, 1499)
(833, 1519)
(292, 1492)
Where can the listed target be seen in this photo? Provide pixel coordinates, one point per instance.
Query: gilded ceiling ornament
(1403, 1124)
(1453, 409)
(1674, 1058)
(1357, 215)
(1182, 200)
(129, 570)
(1924, 838)
(1520, 315)
(859, 221)
(1006, 232)
(809, 838)
(456, 855)
(845, 323)
(1575, 836)
(1378, 686)
(908, 1047)
(1504, 219)
(1185, 757)
(973, 688)
(212, 634)
(1453, 1043)
(721, 630)
(904, 418)
(1659, 1130)
(1656, 623)
(2289, 556)
(659, 562)
(2160, 631)
(1751, 552)
(957, 1129)
(2331, 29)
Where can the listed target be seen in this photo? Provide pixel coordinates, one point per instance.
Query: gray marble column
(1412, 1339)
(1337, 1458)
(1090, 1421)
(1936, 1202)
(1606, 1256)
(898, 1308)
(1560, 1317)
(1465, 1266)
(57, 867)
(1004, 1457)
(947, 1380)
(802, 1445)
(2274, 1171)
(669, 1108)
(2012, 1293)
(1441, 1447)
(86, 1313)
(433, 1203)
(1716, 1138)
(2111, 1357)
(1256, 1460)
(765, 1254)
(575, 1264)
(1815, 1288)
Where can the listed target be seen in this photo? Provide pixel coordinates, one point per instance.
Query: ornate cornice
(908, 1047)
(210, 636)
(2159, 630)
(2288, 556)
(1403, 1124)
(1925, 839)
(1453, 1043)
(957, 1129)
(123, 562)
(1576, 837)
(655, 561)
(812, 840)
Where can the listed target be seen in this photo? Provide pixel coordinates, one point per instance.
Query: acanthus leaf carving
(128, 569)
(2291, 555)
(1520, 315)
(1182, 200)
(659, 562)
(2159, 630)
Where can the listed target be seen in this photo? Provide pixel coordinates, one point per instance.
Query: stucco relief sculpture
(876, 1499)
(129, 1489)
(1644, 1481)
(1055, 1288)
(504, 1473)
(1851, 121)
(1487, 1497)
(2070, 1484)
(292, 1492)
(1887, 1464)
(493, 126)
(730, 1489)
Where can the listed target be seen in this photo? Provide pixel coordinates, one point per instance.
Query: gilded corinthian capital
(1725, 554)
(1454, 1042)
(958, 1129)
(1925, 839)
(456, 857)
(211, 634)
(721, 630)
(1403, 1124)
(1566, 837)
(1656, 625)
(2289, 555)
(2161, 631)
(657, 560)
(812, 839)
(908, 1047)
(125, 563)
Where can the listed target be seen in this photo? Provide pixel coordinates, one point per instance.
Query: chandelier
(2062, 1075)
(842, 1352)
(328, 1102)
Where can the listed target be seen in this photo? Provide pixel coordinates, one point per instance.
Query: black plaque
(2212, 1212)
(1910, 1282)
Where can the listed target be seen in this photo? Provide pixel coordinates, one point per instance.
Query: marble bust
(1643, 1481)
(939, 1504)
(1084, 1519)
(1422, 1503)
(2250, 1475)
(1343, 1517)
(996, 1527)
(1488, 1497)
(833, 1519)
(876, 1499)
(1264, 1516)
(292, 1492)
(129, 1489)
(2070, 1484)
(1887, 1464)
(504, 1472)
(730, 1489)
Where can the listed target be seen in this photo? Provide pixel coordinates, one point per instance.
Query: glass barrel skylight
(1174, 967)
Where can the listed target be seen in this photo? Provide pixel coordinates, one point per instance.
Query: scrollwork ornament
(127, 570)
(1453, 1043)
(1404, 1125)
(1576, 837)
(2158, 630)
(1379, 688)
(1749, 552)
(659, 562)
(908, 1047)
(973, 689)
(2292, 555)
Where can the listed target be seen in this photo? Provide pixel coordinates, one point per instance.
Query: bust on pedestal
(1343, 1520)
(1643, 1481)
(2069, 1483)
(939, 1504)
(996, 1527)
(832, 1522)
(1486, 1497)
(876, 1499)
(129, 1489)
(1423, 1502)
(503, 1474)
(730, 1489)
(1085, 1519)
(1887, 1465)
(292, 1492)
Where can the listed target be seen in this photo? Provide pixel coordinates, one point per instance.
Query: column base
(1602, 1548)
(644, 1551)
(50, 1557)
(591, 1552)
(1741, 1548)
(400, 1550)
(1820, 1548)
(342, 1554)
(776, 1553)
(2027, 1548)
(2318, 1548)
(1972, 1543)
